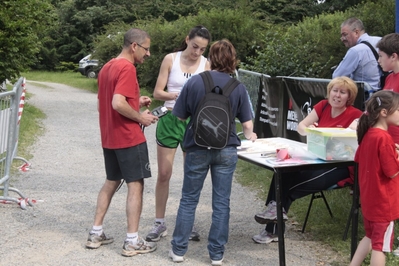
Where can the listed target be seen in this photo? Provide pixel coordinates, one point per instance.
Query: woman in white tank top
(175, 70)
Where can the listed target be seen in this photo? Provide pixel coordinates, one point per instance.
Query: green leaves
(21, 22)
(311, 47)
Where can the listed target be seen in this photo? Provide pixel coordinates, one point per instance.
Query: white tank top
(177, 78)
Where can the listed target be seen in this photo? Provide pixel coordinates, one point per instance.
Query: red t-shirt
(118, 76)
(392, 84)
(323, 110)
(378, 160)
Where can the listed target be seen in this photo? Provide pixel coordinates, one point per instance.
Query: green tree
(80, 21)
(236, 25)
(311, 47)
(21, 21)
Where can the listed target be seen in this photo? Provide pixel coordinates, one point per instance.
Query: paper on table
(301, 153)
(285, 162)
(261, 146)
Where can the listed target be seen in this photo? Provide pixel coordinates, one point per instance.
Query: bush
(312, 47)
(66, 66)
(235, 25)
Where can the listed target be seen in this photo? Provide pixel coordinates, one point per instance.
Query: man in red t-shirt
(123, 141)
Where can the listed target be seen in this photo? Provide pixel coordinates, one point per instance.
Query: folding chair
(315, 195)
(320, 195)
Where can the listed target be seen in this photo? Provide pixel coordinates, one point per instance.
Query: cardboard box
(332, 143)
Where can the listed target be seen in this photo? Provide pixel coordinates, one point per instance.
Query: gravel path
(67, 172)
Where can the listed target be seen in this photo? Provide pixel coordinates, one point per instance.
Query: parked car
(88, 67)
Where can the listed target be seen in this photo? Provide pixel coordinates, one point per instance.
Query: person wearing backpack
(359, 62)
(221, 161)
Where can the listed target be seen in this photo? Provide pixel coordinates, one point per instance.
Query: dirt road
(67, 172)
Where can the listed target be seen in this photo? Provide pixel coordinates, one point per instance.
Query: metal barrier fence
(3, 86)
(252, 81)
(11, 107)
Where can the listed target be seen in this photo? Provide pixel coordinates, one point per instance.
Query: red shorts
(380, 234)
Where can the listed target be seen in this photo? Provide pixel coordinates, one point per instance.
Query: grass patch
(30, 128)
(73, 79)
(76, 80)
(320, 226)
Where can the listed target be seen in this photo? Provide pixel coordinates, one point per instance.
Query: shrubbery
(307, 49)
(312, 47)
(235, 25)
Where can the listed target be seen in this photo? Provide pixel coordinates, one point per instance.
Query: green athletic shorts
(170, 131)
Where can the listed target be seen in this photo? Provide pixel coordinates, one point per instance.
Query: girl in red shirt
(377, 156)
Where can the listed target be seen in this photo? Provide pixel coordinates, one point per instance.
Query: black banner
(284, 101)
(269, 115)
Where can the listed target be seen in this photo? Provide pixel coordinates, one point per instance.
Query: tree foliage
(60, 31)
(311, 47)
(21, 21)
(235, 25)
(80, 21)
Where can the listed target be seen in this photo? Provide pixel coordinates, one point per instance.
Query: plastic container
(332, 143)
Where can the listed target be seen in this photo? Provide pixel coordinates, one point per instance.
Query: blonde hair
(348, 84)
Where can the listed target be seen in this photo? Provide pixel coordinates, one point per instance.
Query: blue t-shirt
(192, 93)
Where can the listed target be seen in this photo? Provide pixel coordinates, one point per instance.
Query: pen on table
(268, 154)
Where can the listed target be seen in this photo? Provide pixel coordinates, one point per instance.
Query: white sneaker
(216, 262)
(158, 230)
(175, 257)
(270, 214)
(265, 237)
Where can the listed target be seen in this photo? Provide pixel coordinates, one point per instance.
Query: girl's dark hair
(385, 99)
(197, 31)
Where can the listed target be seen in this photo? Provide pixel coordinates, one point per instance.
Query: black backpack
(384, 73)
(213, 118)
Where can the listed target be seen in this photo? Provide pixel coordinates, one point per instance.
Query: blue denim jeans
(222, 164)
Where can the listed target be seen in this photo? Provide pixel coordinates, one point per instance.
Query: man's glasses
(344, 35)
(147, 49)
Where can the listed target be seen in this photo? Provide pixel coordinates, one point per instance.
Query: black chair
(320, 195)
(316, 195)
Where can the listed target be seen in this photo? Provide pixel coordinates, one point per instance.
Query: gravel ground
(67, 172)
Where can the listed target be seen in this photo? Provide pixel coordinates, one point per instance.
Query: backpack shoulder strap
(230, 86)
(372, 49)
(374, 52)
(208, 81)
